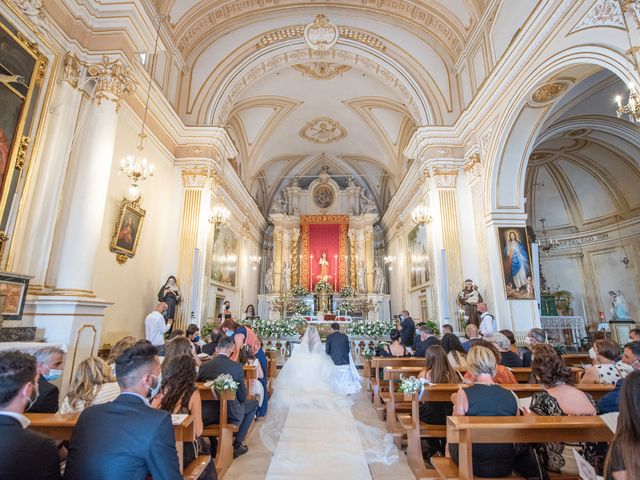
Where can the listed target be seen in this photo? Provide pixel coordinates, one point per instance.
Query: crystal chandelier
(137, 167)
(219, 214)
(421, 215)
(632, 107)
(547, 244)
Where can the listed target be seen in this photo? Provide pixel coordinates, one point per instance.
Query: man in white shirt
(155, 326)
(488, 324)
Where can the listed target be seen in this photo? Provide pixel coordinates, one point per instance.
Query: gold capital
(113, 81)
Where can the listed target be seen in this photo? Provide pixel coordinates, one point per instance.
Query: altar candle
(335, 272)
(311, 274)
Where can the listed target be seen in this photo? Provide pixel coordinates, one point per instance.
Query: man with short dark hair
(49, 361)
(25, 453)
(337, 346)
(241, 411)
(611, 401)
(126, 438)
(193, 334)
(407, 329)
(446, 328)
(425, 339)
(634, 335)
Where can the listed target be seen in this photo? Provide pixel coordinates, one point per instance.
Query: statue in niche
(350, 182)
(279, 204)
(324, 267)
(378, 279)
(362, 281)
(170, 295)
(367, 205)
(324, 175)
(295, 182)
(286, 277)
(619, 308)
(268, 279)
(469, 298)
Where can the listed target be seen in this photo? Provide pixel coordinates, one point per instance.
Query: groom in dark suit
(337, 346)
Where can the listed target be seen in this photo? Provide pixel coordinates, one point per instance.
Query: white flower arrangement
(371, 329)
(223, 382)
(298, 291)
(289, 327)
(346, 308)
(410, 385)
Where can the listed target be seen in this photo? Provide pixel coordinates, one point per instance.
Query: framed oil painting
(127, 232)
(13, 293)
(224, 257)
(418, 256)
(517, 270)
(22, 69)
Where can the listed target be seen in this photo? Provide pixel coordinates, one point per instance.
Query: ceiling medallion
(580, 132)
(322, 70)
(549, 91)
(321, 34)
(323, 196)
(323, 130)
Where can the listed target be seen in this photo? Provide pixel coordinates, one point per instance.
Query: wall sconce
(254, 260)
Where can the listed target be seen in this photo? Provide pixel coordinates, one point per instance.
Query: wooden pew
(522, 374)
(415, 429)
(525, 429)
(272, 369)
(60, 427)
(378, 363)
(576, 359)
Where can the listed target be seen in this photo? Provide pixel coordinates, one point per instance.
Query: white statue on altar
(379, 279)
(268, 279)
(286, 277)
(362, 282)
(324, 267)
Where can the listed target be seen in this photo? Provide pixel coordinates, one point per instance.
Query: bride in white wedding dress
(310, 427)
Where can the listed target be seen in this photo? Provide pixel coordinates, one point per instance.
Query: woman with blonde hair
(119, 347)
(93, 384)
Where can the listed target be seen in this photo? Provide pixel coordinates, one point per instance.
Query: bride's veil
(311, 341)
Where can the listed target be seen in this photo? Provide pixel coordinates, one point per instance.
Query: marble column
(295, 267)
(368, 246)
(78, 235)
(277, 259)
(35, 232)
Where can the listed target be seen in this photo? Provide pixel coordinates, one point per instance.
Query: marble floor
(255, 464)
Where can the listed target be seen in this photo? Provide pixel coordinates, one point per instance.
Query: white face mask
(527, 340)
(592, 354)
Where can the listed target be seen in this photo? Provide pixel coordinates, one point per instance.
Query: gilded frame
(14, 288)
(526, 291)
(224, 257)
(126, 236)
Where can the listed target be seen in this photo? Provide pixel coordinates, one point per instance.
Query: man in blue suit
(126, 438)
(337, 346)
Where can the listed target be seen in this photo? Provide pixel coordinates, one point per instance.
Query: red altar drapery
(324, 233)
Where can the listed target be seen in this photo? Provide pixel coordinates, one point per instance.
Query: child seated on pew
(178, 394)
(248, 358)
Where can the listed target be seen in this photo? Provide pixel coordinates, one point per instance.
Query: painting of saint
(128, 230)
(224, 257)
(418, 256)
(13, 290)
(516, 263)
(127, 233)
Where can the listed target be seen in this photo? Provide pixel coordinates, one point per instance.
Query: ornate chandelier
(632, 107)
(421, 215)
(137, 167)
(547, 244)
(219, 214)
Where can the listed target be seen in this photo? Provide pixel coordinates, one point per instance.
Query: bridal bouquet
(410, 385)
(223, 382)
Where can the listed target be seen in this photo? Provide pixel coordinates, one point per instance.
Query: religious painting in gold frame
(418, 256)
(517, 270)
(224, 256)
(22, 70)
(127, 231)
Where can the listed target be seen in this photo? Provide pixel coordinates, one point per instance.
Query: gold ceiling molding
(297, 31)
(579, 132)
(323, 130)
(321, 70)
(539, 156)
(549, 92)
(321, 34)
(199, 23)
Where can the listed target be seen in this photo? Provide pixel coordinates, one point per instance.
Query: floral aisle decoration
(371, 329)
(346, 308)
(347, 291)
(410, 385)
(323, 287)
(289, 327)
(298, 291)
(206, 329)
(223, 383)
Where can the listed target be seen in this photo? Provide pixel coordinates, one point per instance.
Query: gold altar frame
(305, 221)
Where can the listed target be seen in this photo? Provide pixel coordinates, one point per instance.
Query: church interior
(287, 166)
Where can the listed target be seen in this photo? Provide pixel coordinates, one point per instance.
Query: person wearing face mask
(193, 334)
(49, 361)
(126, 438)
(535, 336)
(611, 401)
(20, 446)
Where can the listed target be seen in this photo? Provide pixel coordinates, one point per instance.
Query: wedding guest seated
(178, 395)
(426, 338)
(503, 374)
(126, 438)
(50, 361)
(456, 354)
(534, 336)
(437, 370)
(193, 334)
(485, 398)
(509, 358)
(634, 335)
(241, 411)
(446, 328)
(512, 339)
(558, 398)
(180, 346)
(605, 369)
(119, 347)
(631, 356)
(92, 384)
(210, 347)
(247, 357)
(473, 335)
(25, 454)
(395, 348)
(623, 462)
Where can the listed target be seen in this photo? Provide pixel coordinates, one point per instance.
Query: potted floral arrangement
(323, 287)
(299, 307)
(298, 291)
(206, 329)
(371, 329)
(347, 291)
(410, 386)
(222, 383)
(345, 308)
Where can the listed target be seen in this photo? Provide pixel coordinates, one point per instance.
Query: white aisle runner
(319, 445)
